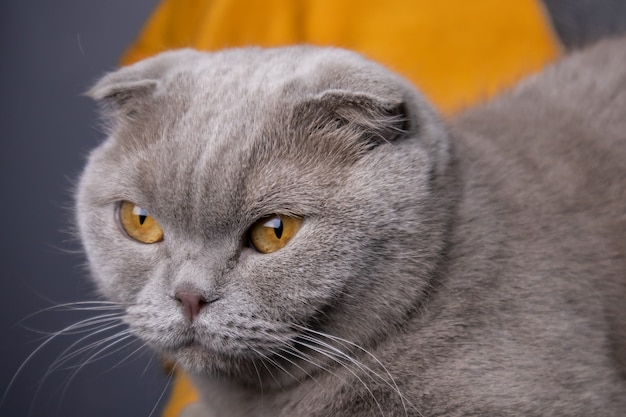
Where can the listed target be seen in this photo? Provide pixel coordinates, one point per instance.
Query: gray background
(51, 52)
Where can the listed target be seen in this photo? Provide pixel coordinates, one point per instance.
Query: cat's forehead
(248, 77)
(229, 129)
(221, 105)
(215, 138)
(252, 80)
(223, 100)
(214, 118)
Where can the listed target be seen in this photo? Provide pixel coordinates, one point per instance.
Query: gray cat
(299, 231)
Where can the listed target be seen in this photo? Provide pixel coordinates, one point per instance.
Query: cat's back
(544, 173)
(550, 155)
(562, 132)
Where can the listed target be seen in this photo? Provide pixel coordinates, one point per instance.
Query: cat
(299, 231)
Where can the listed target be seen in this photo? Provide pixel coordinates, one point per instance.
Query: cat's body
(478, 269)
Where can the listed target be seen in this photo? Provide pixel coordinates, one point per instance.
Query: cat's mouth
(202, 343)
(192, 347)
(192, 341)
(230, 345)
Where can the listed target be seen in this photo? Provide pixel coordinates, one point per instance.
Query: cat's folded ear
(354, 118)
(118, 89)
(122, 95)
(125, 92)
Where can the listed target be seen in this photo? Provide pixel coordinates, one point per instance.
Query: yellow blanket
(458, 52)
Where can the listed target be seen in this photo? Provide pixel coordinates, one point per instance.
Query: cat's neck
(223, 398)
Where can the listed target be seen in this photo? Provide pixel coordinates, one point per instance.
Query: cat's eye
(273, 233)
(138, 224)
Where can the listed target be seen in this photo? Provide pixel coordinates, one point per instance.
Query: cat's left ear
(365, 118)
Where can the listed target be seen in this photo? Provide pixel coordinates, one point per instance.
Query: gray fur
(473, 269)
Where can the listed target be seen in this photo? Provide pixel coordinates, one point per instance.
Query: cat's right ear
(119, 91)
(125, 93)
(122, 93)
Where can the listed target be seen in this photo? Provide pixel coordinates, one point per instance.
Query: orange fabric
(183, 394)
(458, 52)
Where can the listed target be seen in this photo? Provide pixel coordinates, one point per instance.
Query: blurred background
(51, 53)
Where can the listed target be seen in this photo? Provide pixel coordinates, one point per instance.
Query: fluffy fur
(477, 268)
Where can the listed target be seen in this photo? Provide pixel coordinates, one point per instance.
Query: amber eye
(273, 233)
(138, 224)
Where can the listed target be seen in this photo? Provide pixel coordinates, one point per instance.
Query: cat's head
(246, 199)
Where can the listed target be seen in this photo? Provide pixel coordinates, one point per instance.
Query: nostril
(192, 303)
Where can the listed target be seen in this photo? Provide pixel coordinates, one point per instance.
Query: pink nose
(192, 303)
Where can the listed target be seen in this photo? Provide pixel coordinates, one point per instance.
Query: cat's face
(246, 195)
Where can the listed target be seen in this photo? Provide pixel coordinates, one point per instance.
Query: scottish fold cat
(301, 233)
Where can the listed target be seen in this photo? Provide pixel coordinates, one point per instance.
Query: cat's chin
(204, 362)
(201, 359)
(198, 359)
(253, 369)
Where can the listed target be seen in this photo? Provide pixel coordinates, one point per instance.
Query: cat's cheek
(245, 253)
(286, 285)
(160, 336)
(121, 268)
(155, 318)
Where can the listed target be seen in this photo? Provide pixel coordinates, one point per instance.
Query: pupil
(143, 214)
(278, 231)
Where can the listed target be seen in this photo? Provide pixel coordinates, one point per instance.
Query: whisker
(115, 339)
(82, 328)
(65, 357)
(293, 351)
(334, 358)
(145, 369)
(291, 362)
(67, 330)
(279, 366)
(167, 383)
(393, 383)
(368, 371)
(130, 355)
(287, 359)
(76, 306)
(89, 360)
(264, 358)
(258, 374)
(93, 357)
